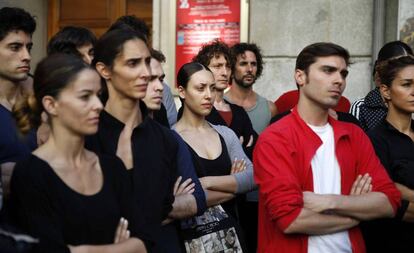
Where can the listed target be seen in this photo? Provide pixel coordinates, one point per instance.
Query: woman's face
(77, 107)
(401, 92)
(200, 93)
(131, 70)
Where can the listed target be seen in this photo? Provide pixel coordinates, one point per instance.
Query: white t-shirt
(327, 180)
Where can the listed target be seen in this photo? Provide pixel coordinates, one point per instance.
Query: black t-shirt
(396, 153)
(161, 116)
(154, 171)
(58, 216)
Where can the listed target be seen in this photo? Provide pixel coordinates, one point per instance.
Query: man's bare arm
(367, 206)
(313, 223)
(363, 207)
(272, 108)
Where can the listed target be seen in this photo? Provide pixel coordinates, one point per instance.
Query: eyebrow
(333, 68)
(89, 90)
(330, 67)
(137, 57)
(18, 43)
(15, 43)
(85, 90)
(134, 58)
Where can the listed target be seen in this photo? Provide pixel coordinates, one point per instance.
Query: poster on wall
(201, 21)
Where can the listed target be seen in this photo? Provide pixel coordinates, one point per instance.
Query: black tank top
(219, 166)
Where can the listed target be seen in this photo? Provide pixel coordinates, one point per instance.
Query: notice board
(201, 21)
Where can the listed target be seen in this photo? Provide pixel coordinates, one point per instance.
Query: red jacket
(282, 169)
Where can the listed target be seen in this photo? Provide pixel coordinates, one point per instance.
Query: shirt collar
(339, 130)
(109, 119)
(390, 127)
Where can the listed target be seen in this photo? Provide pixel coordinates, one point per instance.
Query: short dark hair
(69, 39)
(134, 23)
(157, 55)
(213, 49)
(388, 70)
(15, 19)
(241, 48)
(390, 50)
(309, 54)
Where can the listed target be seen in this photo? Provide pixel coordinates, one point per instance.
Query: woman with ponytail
(393, 141)
(148, 150)
(62, 192)
(221, 164)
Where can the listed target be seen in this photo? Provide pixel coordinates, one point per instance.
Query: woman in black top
(393, 140)
(213, 148)
(66, 196)
(148, 150)
(208, 143)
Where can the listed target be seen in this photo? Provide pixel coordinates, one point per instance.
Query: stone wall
(283, 28)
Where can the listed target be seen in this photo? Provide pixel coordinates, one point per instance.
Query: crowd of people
(94, 156)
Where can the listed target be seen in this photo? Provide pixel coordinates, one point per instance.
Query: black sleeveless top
(219, 166)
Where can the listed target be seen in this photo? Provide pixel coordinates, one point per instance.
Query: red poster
(200, 21)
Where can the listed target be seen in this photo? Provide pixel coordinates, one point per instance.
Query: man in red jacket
(318, 177)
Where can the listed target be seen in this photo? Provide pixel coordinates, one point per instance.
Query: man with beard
(247, 68)
(216, 55)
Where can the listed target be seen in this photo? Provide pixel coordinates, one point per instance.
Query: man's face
(221, 71)
(325, 81)
(15, 56)
(153, 97)
(245, 69)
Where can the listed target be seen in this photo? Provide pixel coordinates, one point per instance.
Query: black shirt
(161, 116)
(154, 172)
(219, 166)
(58, 216)
(396, 153)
